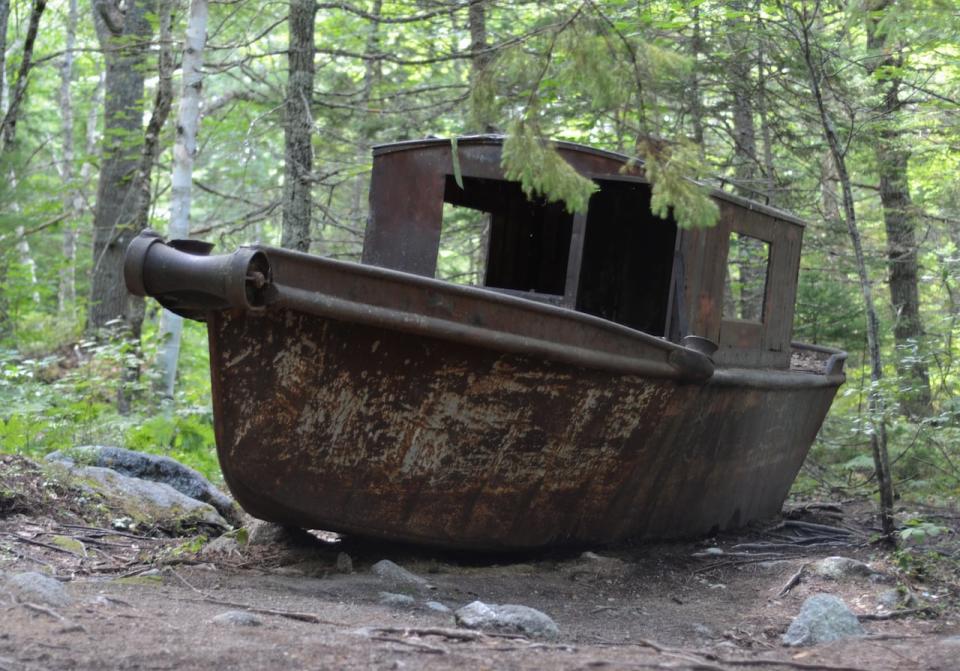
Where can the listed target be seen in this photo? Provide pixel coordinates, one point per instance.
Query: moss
(69, 544)
(151, 580)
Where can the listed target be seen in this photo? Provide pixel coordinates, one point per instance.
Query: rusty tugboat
(614, 377)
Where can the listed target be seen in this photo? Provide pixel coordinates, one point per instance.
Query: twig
(31, 541)
(44, 610)
(466, 635)
(837, 531)
(290, 614)
(894, 614)
(418, 645)
(789, 664)
(110, 532)
(792, 582)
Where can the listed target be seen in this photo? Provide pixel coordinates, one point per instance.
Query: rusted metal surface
(340, 426)
(373, 399)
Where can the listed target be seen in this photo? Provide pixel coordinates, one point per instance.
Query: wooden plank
(575, 260)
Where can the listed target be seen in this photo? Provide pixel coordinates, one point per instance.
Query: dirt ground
(140, 602)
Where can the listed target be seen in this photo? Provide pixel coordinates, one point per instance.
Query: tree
(184, 150)
(298, 127)
(799, 22)
(886, 61)
(8, 126)
(124, 32)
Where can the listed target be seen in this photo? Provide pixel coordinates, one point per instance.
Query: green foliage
(541, 171)
(917, 530)
(671, 170)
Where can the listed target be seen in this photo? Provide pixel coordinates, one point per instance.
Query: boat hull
(333, 424)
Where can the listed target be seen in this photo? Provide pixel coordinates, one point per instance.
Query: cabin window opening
(523, 246)
(462, 256)
(628, 255)
(745, 281)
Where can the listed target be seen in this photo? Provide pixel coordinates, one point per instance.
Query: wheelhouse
(733, 284)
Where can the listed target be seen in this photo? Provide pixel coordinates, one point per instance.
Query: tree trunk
(8, 128)
(878, 433)
(479, 68)
(371, 80)
(693, 92)
(184, 151)
(298, 128)
(892, 153)
(73, 203)
(4, 22)
(739, 84)
(124, 38)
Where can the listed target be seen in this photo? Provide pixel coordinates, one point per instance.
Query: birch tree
(184, 151)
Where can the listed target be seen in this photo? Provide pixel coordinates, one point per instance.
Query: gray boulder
(149, 503)
(823, 618)
(839, 568)
(37, 588)
(155, 468)
(396, 575)
(507, 618)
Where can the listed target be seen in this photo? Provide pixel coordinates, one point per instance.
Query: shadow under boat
(612, 377)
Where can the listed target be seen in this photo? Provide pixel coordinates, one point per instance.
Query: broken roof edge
(497, 140)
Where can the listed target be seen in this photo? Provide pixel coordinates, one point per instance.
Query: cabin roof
(573, 147)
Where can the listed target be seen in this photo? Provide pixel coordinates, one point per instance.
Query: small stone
(259, 532)
(437, 606)
(951, 641)
(389, 572)
(37, 588)
(703, 630)
(344, 563)
(223, 545)
(713, 551)
(237, 618)
(509, 618)
(823, 618)
(838, 568)
(397, 600)
(892, 599)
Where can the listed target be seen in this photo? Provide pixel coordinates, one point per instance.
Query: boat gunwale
(684, 364)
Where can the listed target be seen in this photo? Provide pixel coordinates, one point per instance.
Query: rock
(396, 575)
(344, 563)
(437, 606)
(713, 551)
(151, 503)
(892, 599)
(237, 618)
(397, 600)
(155, 468)
(838, 568)
(823, 618)
(37, 588)
(260, 532)
(223, 545)
(508, 618)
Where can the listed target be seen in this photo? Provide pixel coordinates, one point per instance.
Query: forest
(247, 122)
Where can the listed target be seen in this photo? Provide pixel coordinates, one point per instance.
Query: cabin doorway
(527, 241)
(627, 263)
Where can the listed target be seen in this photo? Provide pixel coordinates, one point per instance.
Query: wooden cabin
(734, 284)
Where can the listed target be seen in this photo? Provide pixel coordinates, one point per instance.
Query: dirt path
(147, 603)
